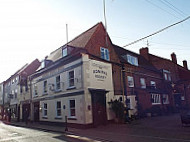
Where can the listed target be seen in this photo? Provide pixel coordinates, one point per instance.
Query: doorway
(36, 111)
(99, 108)
(24, 108)
(177, 101)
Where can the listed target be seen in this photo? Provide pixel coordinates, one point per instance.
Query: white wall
(97, 75)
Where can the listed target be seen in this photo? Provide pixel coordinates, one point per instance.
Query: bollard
(66, 128)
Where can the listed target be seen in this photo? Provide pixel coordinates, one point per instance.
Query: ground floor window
(155, 99)
(45, 109)
(58, 109)
(72, 109)
(165, 99)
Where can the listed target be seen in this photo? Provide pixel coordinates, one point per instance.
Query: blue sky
(32, 29)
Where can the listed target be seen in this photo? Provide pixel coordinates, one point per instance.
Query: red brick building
(175, 77)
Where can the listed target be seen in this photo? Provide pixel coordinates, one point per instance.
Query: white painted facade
(73, 96)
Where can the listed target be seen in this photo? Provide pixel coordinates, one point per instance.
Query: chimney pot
(174, 59)
(185, 64)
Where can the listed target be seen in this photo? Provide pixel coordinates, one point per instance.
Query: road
(10, 133)
(154, 129)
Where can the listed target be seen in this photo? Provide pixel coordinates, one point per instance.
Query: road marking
(82, 138)
(12, 134)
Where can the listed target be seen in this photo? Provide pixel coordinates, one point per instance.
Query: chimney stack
(144, 52)
(174, 59)
(185, 64)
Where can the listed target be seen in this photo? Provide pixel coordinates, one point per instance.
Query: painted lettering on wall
(100, 74)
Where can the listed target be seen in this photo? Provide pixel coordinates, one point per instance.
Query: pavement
(154, 129)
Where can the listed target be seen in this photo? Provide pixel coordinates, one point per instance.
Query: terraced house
(16, 91)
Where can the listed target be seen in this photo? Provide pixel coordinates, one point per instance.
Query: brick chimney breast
(144, 52)
(185, 64)
(174, 59)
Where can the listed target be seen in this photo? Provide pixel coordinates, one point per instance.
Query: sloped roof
(29, 68)
(78, 42)
(184, 74)
(141, 60)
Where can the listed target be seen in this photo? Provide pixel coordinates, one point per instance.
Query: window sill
(72, 118)
(72, 87)
(35, 96)
(44, 117)
(57, 91)
(58, 117)
(44, 94)
(156, 103)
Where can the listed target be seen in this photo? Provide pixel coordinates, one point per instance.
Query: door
(99, 108)
(36, 112)
(177, 101)
(24, 108)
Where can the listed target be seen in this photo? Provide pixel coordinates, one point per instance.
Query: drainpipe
(3, 101)
(30, 93)
(124, 83)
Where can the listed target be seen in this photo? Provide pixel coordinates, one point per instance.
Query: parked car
(185, 117)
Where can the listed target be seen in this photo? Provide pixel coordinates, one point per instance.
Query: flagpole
(104, 4)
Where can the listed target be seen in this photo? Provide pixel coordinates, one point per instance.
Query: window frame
(45, 87)
(153, 84)
(69, 79)
(156, 99)
(35, 90)
(64, 52)
(130, 81)
(132, 60)
(104, 53)
(143, 83)
(16, 93)
(165, 99)
(43, 64)
(58, 109)
(58, 83)
(72, 108)
(45, 109)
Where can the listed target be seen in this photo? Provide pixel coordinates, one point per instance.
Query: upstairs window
(13, 94)
(153, 84)
(71, 79)
(104, 53)
(58, 85)
(35, 90)
(167, 75)
(130, 81)
(16, 79)
(43, 64)
(132, 60)
(13, 81)
(16, 93)
(143, 83)
(45, 86)
(64, 52)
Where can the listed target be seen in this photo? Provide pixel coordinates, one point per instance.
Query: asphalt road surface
(154, 129)
(10, 133)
